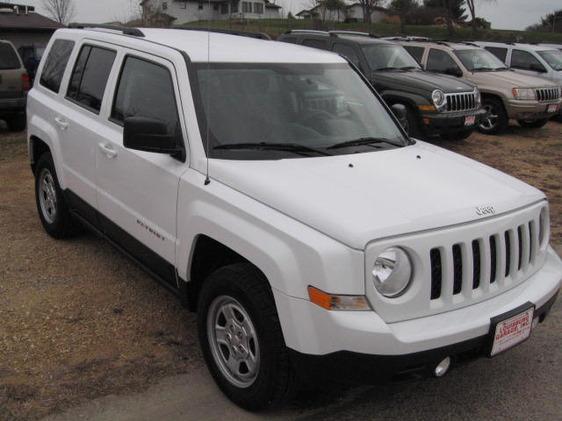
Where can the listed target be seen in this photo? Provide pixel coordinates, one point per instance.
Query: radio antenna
(207, 105)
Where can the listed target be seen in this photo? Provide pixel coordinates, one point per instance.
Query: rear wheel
(496, 120)
(533, 124)
(53, 212)
(241, 337)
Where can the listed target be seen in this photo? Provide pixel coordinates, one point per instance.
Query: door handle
(62, 123)
(108, 150)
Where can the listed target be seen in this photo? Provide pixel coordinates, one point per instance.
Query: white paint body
(308, 221)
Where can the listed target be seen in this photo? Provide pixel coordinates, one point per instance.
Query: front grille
(547, 94)
(464, 101)
(518, 245)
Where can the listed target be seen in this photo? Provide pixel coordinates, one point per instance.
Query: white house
(183, 11)
(351, 13)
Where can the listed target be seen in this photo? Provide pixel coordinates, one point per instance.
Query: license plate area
(510, 329)
(552, 108)
(469, 120)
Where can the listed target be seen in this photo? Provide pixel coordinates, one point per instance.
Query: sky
(504, 14)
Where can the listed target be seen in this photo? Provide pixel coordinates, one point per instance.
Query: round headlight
(392, 272)
(438, 98)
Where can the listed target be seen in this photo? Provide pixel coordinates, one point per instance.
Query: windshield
(389, 57)
(480, 60)
(292, 110)
(553, 58)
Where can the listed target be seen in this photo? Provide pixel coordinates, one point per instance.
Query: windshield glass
(553, 58)
(293, 110)
(389, 57)
(480, 60)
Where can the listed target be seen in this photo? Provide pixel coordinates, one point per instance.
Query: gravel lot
(78, 321)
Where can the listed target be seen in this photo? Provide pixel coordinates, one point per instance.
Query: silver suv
(505, 94)
(14, 84)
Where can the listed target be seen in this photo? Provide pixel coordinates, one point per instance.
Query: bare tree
(368, 7)
(63, 11)
(472, 8)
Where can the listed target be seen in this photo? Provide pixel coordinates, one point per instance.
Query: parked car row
(14, 85)
(452, 88)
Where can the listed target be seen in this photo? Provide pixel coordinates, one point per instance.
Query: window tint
(146, 90)
(89, 78)
(440, 62)
(500, 53)
(53, 70)
(8, 57)
(348, 52)
(525, 61)
(316, 43)
(416, 52)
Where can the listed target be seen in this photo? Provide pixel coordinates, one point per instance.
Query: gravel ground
(79, 321)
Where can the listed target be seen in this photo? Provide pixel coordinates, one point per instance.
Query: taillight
(26, 82)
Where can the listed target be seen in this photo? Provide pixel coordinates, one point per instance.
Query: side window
(89, 77)
(500, 53)
(416, 52)
(57, 60)
(348, 52)
(525, 61)
(316, 43)
(8, 57)
(440, 62)
(146, 89)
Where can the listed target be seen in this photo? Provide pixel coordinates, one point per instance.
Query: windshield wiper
(363, 141)
(408, 68)
(382, 69)
(289, 147)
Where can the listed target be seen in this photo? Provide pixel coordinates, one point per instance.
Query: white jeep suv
(270, 188)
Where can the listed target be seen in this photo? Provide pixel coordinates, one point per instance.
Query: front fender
(407, 98)
(290, 254)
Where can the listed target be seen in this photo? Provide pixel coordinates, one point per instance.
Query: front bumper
(309, 329)
(531, 110)
(440, 123)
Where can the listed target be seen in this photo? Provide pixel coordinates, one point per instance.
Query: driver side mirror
(400, 113)
(150, 135)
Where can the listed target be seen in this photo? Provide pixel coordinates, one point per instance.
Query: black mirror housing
(400, 113)
(150, 135)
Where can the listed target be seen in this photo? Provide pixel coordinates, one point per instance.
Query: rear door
(527, 63)
(137, 191)
(11, 71)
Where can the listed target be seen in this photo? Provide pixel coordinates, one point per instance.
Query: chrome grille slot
(547, 94)
(465, 101)
(436, 273)
(457, 269)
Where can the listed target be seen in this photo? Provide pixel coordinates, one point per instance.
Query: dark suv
(14, 84)
(436, 105)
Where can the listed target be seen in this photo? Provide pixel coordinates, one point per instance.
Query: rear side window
(348, 52)
(440, 62)
(8, 57)
(57, 60)
(500, 53)
(316, 43)
(89, 77)
(146, 89)
(416, 52)
(525, 61)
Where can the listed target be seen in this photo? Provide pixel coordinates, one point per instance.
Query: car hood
(422, 80)
(359, 198)
(510, 79)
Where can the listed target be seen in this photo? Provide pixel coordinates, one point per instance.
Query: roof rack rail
(357, 33)
(257, 35)
(135, 32)
(307, 31)
(408, 38)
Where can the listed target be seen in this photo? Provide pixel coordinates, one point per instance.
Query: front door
(137, 191)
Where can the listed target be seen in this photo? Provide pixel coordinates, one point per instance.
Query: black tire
(274, 382)
(533, 124)
(457, 136)
(413, 125)
(498, 122)
(17, 123)
(59, 222)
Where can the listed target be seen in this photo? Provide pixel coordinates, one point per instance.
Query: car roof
(223, 47)
(521, 46)
(445, 45)
(341, 35)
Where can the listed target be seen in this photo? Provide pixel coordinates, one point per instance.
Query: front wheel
(533, 124)
(241, 338)
(496, 120)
